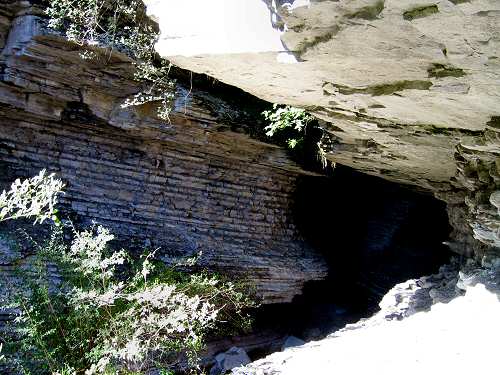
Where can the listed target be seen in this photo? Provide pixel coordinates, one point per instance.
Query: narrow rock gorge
(404, 227)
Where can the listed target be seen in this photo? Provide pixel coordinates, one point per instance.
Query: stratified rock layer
(410, 91)
(188, 186)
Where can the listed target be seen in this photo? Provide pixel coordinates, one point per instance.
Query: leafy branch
(35, 197)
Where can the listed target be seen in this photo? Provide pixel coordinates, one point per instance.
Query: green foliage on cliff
(121, 25)
(86, 308)
(298, 131)
(287, 123)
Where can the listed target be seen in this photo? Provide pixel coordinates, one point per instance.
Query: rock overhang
(407, 89)
(387, 63)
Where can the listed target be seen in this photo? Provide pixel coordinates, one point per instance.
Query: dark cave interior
(374, 234)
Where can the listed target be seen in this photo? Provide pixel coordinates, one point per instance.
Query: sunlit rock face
(410, 89)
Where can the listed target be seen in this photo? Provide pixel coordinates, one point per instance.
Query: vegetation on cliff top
(121, 25)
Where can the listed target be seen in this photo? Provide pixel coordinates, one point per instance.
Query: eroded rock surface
(410, 91)
(188, 186)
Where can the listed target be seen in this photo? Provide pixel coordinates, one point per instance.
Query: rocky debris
(291, 342)
(414, 296)
(186, 186)
(265, 340)
(418, 295)
(488, 275)
(422, 327)
(408, 90)
(234, 357)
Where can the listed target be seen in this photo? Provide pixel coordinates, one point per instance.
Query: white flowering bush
(106, 313)
(122, 25)
(32, 198)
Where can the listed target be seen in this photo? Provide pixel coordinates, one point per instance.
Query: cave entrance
(373, 234)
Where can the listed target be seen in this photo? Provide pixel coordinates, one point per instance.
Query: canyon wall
(188, 186)
(198, 184)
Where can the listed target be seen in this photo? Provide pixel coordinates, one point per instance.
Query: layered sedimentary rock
(188, 186)
(409, 90)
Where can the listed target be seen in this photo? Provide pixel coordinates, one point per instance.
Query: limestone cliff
(188, 186)
(409, 91)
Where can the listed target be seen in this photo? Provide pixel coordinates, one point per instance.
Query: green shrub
(121, 25)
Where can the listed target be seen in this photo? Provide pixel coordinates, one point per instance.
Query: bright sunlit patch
(196, 27)
(298, 3)
(286, 58)
(457, 337)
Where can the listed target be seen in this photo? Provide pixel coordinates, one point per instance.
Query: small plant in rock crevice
(124, 26)
(105, 312)
(297, 130)
(287, 123)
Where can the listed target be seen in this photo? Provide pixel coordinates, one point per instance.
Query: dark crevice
(391, 88)
(494, 122)
(420, 12)
(370, 12)
(441, 71)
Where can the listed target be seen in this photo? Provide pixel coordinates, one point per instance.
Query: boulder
(234, 357)
(292, 342)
